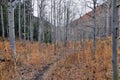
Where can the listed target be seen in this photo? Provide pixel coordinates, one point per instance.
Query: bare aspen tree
(11, 26)
(52, 21)
(24, 23)
(19, 21)
(94, 12)
(107, 6)
(31, 21)
(67, 22)
(42, 18)
(54, 28)
(94, 23)
(108, 17)
(39, 31)
(59, 14)
(58, 20)
(114, 41)
(27, 6)
(2, 21)
(41, 14)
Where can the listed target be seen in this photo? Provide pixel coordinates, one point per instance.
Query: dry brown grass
(81, 65)
(29, 57)
(77, 64)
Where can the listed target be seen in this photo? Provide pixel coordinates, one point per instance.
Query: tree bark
(54, 27)
(2, 21)
(31, 23)
(24, 24)
(94, 43)
(19, 21)
(107, 27)
(41, 25)
(11, 28)
(114, 41)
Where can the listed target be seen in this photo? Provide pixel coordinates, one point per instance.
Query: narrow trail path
(42, 73)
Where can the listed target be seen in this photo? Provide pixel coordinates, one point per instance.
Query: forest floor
(76, 61)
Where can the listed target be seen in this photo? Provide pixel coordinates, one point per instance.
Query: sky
(35, 8)
(79, 8)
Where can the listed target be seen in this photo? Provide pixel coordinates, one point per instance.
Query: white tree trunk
(19, 21)
(24, 23)
(41, 7)
(52, 35)
(66, 26)
(94, 42)
(39, 32)
(31, 23)
(107, 27)
(54, 26)
(2, 21)
(31, 28)
(11, 28)
(114, 41)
